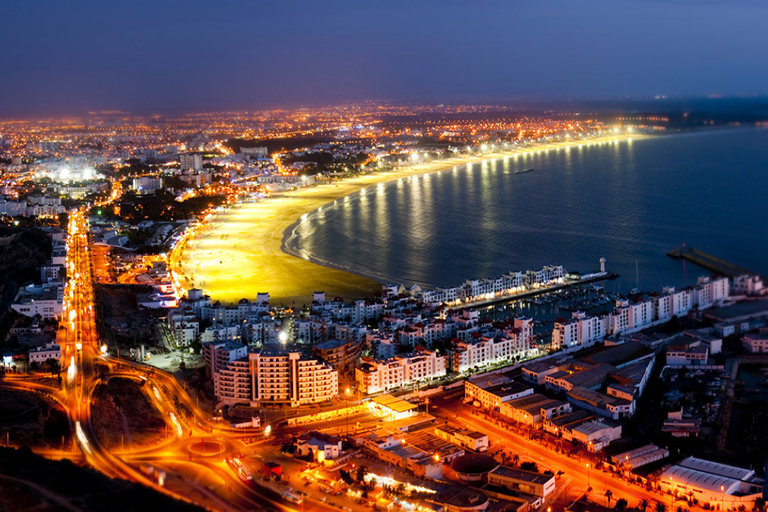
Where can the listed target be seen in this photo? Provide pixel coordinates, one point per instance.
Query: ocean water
(629, 202)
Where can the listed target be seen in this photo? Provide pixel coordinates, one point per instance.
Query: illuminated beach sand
(239, 254)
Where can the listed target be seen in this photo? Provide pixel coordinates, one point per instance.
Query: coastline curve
(253, 239)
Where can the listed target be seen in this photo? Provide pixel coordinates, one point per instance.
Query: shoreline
(243, 252)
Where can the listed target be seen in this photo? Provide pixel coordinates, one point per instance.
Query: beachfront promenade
(239, 253)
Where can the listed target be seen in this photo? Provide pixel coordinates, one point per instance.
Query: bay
(629, 202)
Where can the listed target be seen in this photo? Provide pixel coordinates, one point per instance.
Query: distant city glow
(66, 173)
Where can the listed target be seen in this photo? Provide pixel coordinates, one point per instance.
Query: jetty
(713, 263)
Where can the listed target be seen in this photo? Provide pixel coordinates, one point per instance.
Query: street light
(346, 409)
(722, 497)
(671, 495)
(589, 481)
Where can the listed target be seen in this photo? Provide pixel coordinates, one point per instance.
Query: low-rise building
(534, 409)
(641, 456)
(468, 439)
(491, 391)
(756, 341)
(687, 355)
(596, 435)
(522, 481)
(42, 354)
(611, 407)
(46, 300)
(319, 445)
(712, 482)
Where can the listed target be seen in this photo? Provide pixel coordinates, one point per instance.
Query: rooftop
(394, 403)
(519, 474)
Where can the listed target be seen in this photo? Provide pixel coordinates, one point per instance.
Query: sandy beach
(239, 254)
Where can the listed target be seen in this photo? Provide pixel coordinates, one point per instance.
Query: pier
(710, 262)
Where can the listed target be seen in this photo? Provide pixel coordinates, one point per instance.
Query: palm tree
(660, 507)
(609, 496)
(515, 460)
(621, 505)
(643, 504)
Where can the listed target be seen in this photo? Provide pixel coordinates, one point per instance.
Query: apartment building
(373, 376)
(286, 378)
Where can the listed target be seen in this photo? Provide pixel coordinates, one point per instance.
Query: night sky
(189, 55)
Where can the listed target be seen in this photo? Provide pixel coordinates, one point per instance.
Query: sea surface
(629, 202)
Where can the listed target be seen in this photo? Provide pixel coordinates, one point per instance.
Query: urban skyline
(431, 256)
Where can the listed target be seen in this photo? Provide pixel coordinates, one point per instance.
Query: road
(579, 474)
(86, 364)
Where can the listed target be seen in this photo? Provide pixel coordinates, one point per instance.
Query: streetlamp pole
(671, 495)
(722, 497)
(589, 480)
(346, 409)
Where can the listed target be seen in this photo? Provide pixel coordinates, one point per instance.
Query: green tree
(53, 366)
(621, 505)
(643, 504)
(346, 477)
(660, 507)
(360, 474)
(609, 496)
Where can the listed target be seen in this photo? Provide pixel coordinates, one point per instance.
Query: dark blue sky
(72, 56)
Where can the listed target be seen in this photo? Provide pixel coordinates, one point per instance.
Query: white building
(580, 330)
(756, 341)
(217, 333)
(41, 354)
(494, 347)
(749, 285)
(191, 161)
(147, 185)
(266, 377)
(710, 291)
(321, 446)
(46, 300)
(288, 379)
(373, 376)
(712, 482)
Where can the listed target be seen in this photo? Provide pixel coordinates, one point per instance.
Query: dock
(713, 263)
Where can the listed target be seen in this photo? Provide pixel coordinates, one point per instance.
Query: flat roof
(406, 424)
(394, 403)
(508, 389)
(519, 474)
(331, 344)
(738, 311)
(616, 355)
(590, 427)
